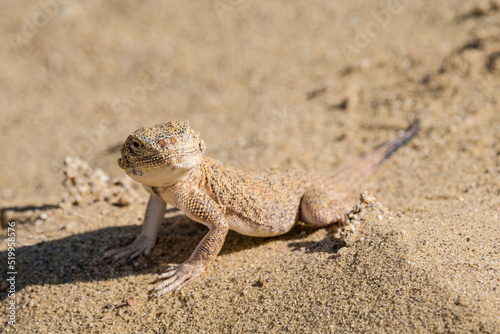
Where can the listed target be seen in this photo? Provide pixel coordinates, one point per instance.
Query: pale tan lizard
(168, 159)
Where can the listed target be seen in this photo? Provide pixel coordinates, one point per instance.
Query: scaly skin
(168, 160)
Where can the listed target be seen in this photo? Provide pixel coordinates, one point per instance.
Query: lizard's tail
(349, 177)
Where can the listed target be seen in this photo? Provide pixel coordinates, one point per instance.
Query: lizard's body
(168, 159)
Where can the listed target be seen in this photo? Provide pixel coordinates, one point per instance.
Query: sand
(309, 85)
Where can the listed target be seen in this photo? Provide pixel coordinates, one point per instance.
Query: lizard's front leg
(198, 206)
(145, 241)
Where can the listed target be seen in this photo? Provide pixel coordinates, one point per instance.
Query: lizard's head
(161, 154)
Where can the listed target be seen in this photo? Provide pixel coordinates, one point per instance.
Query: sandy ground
(310, 85)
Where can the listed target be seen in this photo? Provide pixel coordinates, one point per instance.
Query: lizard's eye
(136, 144)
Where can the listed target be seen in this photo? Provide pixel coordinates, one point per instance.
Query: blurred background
(284, 83)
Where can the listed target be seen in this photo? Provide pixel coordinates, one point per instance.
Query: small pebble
(122, 202)
(130, 302)
(366, 198)
(355, 222)
(349, 228)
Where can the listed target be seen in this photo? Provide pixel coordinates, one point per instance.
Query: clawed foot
(343, 219)
(142, 244)
(340, 222)
(175, 278)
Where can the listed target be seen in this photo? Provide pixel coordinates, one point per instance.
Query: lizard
(169, 160)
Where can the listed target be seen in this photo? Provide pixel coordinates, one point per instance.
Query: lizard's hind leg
(320, 208)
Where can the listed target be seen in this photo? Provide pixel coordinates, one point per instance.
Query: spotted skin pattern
(168, 159)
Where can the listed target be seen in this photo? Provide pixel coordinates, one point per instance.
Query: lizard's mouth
(123, 163)
(157, 160)
(128, 167)
(149, 162)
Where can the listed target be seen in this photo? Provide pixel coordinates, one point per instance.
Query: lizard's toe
(177, 277)
(343, 219)
(141, 244)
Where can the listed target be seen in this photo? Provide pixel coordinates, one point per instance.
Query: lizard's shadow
(330, 244)
(79, 258)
